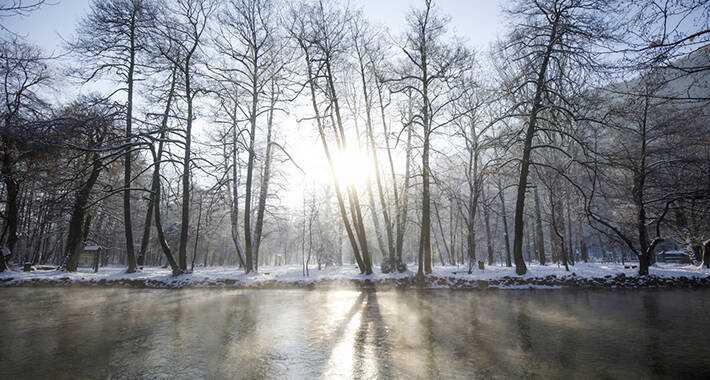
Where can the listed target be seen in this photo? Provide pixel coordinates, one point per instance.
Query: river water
(128, 333)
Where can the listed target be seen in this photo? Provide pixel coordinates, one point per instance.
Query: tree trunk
(540, 240)
(504, 216)
(395, 255)
(376, 162)
(156, 189)
(155, 179)
(489, 235)
(234, 193)
(638, 198)
(583, 248)
(197, 235)
(266, 175)
(73, 246)
(128, 225)
(12, 188)
(403, 214)
(530, 131)
(570, 239)
(185, 218)
(426, 206)
(375, 220)
(248, 244)
(528, 240)
(441, 232)
(558, 227)
(145, 239)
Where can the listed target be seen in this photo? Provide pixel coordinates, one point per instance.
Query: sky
(478, 21)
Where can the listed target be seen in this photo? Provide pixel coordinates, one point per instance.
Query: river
(186, 334)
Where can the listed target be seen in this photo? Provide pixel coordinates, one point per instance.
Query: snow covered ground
(550, 276)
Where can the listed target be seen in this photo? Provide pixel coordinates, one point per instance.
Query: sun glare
(352, 168)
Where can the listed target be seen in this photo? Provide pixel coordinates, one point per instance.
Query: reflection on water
(128, 333)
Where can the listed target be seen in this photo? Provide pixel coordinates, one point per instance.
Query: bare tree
(248, 38)
(25, 75)
(363, 40)
(550, 40)
(182, 27)
(110, 41)
(640, 131)
(10, 8)
(472, 128)
(430, 67)
(664, 34)
(321, 36)
(88, 127)
(153, 211)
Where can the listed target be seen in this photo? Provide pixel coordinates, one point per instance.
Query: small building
(669, 251)
(673, 257)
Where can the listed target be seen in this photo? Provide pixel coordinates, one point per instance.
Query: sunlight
(352, 168)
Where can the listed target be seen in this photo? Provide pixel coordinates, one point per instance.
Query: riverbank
(591, 275)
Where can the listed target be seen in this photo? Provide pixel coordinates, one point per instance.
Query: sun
(352, 168)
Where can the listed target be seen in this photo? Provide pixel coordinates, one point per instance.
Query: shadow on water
(652, 316)
(372, 341)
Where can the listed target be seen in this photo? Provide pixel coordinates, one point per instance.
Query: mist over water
(128, 333)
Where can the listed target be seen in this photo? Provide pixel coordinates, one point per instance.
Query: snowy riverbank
(592, 275)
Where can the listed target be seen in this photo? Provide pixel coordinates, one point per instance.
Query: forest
(188, 134)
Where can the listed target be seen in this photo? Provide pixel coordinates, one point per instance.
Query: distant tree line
(583, 134)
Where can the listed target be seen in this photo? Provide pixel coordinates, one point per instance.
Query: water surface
(176, 334)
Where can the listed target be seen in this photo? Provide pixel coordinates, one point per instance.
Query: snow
(586, 270)
(542, 277)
